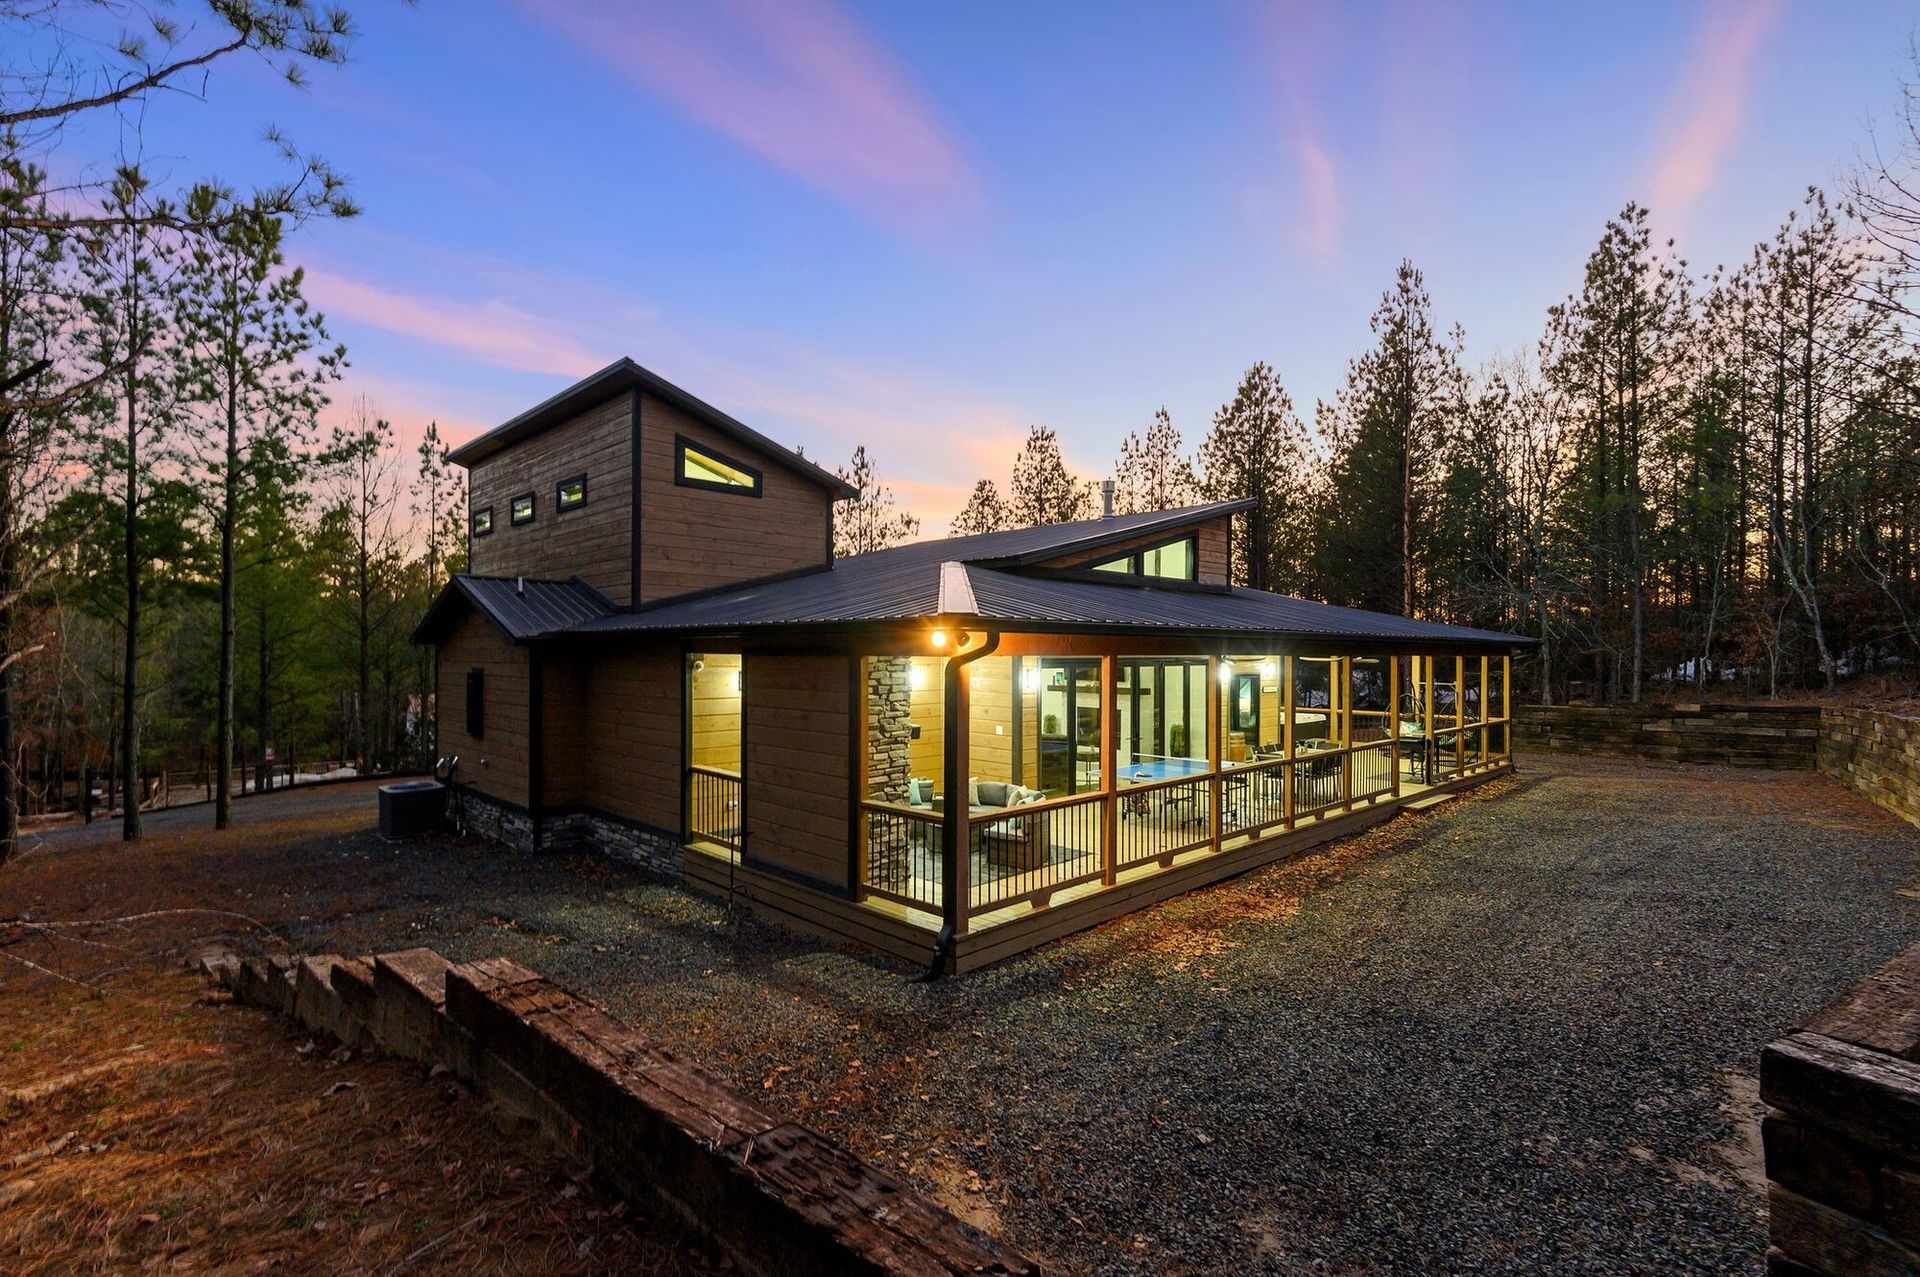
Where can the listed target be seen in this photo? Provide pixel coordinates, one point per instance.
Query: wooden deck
(908, 933)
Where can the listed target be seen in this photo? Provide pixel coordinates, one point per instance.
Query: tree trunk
(130, 673)
(229, 512)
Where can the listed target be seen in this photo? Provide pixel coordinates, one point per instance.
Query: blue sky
(923, 227)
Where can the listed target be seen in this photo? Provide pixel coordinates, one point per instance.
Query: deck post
(1344, 664)
(1506, 706)
(860, 865)
(1485, 703)
(956, 842)
(1286, 736)
(1393, 718)
(1109, 771)
(1215, 696)
(1459, 715)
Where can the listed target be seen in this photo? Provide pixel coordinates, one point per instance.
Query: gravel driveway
(1515, 1034)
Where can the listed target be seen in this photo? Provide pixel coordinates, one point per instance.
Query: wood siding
(595, 540)
(495, 762)
(694, 538)
(797, 762)
(1212, 537)
(630, 727)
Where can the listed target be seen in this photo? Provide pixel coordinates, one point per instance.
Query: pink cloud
(1710, 105)
(798, 83)
(1296, 41)
(494, 331)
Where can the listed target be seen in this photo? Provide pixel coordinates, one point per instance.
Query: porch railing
(713, 806)
(904, 859)
(1033, 851)
(1161, 820)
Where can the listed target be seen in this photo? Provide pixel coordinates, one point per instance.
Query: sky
(923, 228)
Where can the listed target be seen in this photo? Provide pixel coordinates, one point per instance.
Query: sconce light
(916, 677)
(938, 638)
(1030, 680)
(1226, 671)
(735, 680)
(1269, 670)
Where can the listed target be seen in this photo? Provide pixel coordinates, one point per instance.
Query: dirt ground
(149, 1124)
(1515, 1034)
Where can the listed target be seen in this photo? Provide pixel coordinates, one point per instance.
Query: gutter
(954, 782)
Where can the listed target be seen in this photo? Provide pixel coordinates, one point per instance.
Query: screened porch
(1087, 770)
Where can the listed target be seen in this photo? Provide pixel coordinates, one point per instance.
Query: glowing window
(570, 494)
(698, 467)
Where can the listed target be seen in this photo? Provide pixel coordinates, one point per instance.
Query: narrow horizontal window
(521, 510)
(698, 467)
(483, 521)
(570, 494)
(1175, 560)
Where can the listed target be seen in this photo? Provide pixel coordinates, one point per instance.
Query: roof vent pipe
(1106, 498)
(520, 587)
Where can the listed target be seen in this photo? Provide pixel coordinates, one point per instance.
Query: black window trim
(473, 522)
(681, 444)
(560, 505)
(533, 509)
(1136, 558)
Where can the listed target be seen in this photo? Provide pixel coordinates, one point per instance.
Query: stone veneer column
(889, 732)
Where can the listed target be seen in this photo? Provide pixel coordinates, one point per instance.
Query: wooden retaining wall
(1740, 735)
(1842, 1133)
(1874, 753)
(777, 1197)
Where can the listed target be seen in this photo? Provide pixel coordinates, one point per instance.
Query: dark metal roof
(902, 583)
(1014, 599)
(523, 607)
(619, 377)
(962, 580)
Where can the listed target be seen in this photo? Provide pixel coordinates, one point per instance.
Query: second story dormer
(642, 491)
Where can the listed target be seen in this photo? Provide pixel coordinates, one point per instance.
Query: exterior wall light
(938, 638)
(1226, 671)
(916, 678)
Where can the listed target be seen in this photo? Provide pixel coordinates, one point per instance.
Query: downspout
(954, 781)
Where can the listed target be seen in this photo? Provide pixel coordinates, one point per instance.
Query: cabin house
(949, 751)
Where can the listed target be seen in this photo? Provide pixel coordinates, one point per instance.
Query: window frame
(682, 445)
(473, 522)
(533, 509)
(560, 503)
(1136, 560)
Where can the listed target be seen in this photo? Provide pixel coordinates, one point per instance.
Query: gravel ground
(1515, 1034)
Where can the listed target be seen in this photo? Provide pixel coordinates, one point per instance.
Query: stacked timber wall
(1742, 735)
(1842, 1133)
(775, 1196)
(1876, 754)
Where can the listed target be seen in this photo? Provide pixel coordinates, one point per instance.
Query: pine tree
(1152, 474)
(1043, 490)
(984, 512)
(1387, 429)
(127, 268)
(35, 327)
(868, 521)
(254, 366)
(1257, 450)
(439, 505)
